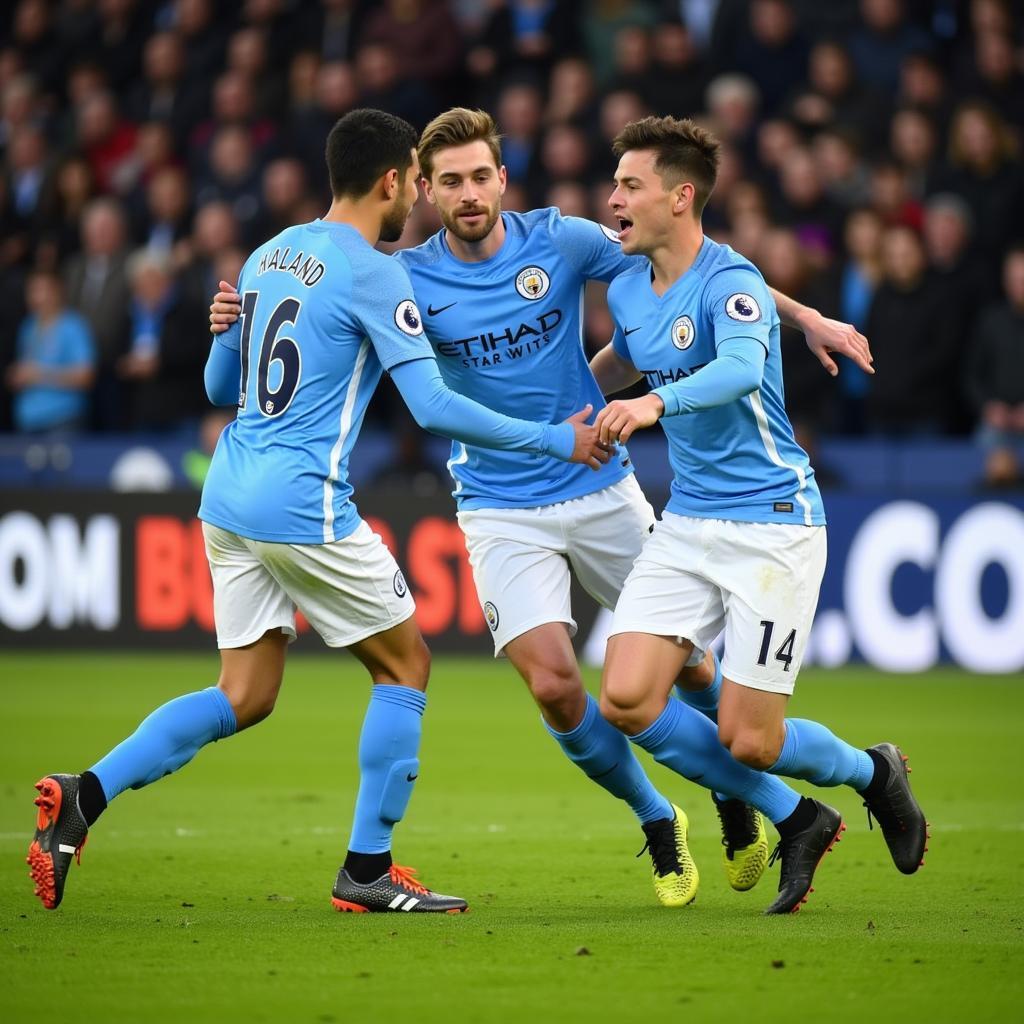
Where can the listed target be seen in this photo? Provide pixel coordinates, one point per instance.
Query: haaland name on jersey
(308, 270)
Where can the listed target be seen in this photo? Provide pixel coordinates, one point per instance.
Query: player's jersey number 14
(271, 349)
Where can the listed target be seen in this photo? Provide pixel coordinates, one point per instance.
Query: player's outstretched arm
(736, 371)
(612, 372)
(226, 308)
(440, 410)
(824, 335)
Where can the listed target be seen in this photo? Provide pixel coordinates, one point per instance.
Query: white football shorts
(759, 581)
(521, 557)
(348, 590)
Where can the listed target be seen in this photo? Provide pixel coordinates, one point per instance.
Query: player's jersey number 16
(271, 349)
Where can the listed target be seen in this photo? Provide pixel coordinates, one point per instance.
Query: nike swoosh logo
(627, 331)
(411, 778)
(433, 312)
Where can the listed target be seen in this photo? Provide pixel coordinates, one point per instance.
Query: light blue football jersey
(508, 332)
(323, 314)
(735, 461)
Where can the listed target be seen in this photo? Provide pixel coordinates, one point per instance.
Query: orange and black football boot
(60, 835)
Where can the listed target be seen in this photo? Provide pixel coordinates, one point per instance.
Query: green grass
(206, 896)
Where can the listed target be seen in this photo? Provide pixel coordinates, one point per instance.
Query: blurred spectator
(915, 348)
(732, 102)
(842, 172)
(891, 198)
(232, 105)
(284, 197)
(565, 154)
(411, 470)
(204, 37)
(165, 220)
(151, 280)
(679, 75)
(196, 462)
(855, 285)
(995, 376)
(571, 94)
(55, 360)
(923, 85)
(97, 286)
(914, 143)
(315, 106)
(810, 400)
(805, 207)
(424, 32)
(164, 93)
(234, 178)
(33, 33)
(570, 197)
(885, 37)
(69, 193)
(119, 41)
(995, 76)
(833, 95)
(107, 139)
(519, 113)
(247, 54)
(527, 34)
(29, 169)
(383, 85)
(602, 21)
(772, 51)
(984, 169)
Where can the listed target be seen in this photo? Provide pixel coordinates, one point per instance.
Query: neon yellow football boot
(744, 842)
(675, 874)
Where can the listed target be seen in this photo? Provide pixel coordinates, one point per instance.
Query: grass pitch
(206, 896)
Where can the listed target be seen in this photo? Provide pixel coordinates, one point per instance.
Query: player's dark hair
(363, 146)
(458, 127)
(683, 151)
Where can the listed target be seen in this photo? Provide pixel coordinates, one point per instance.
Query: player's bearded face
(466, 185)
(393, 224)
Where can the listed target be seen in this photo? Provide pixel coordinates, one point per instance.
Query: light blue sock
(705, 701)
(604, 755)
(685, 741)
(388, 766)
(169, 738)
(813, 753)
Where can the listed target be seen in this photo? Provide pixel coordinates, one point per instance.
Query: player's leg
(254, 619)
(521, 572)
(354, 595)
(660, 605)
(773, 573)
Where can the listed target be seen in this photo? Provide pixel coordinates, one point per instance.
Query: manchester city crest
(491, 615)
(533, 283)
(683, 332)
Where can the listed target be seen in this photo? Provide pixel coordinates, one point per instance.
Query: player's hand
(225, 309)
(617, 420)
(825, 336)
(588, 449)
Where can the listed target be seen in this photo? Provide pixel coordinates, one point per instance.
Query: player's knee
(554, 687)
(754, 749)
(622, 707)
(419, 665)
(250, 704)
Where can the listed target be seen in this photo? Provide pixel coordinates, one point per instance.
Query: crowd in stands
(872, 166)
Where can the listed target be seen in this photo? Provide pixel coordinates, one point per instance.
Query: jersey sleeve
(591, 249)
(383, 303)
(738, 305)
(79, 349)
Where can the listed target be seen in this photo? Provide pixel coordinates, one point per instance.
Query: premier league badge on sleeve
(408, 319)
(743, 307)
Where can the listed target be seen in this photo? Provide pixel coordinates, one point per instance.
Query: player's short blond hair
(684, 151)
(457, 127)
